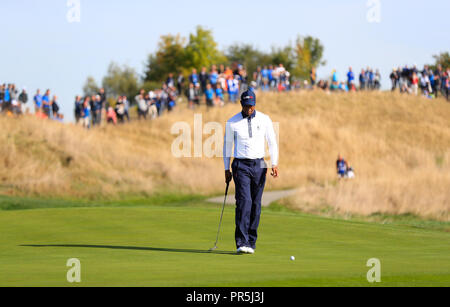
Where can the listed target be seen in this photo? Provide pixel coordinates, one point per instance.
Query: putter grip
(226, 191)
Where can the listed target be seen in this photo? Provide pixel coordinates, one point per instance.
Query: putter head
(213, 249)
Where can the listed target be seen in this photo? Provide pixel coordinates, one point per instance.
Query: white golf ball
(292, 258)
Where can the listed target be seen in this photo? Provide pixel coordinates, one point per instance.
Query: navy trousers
(250, 179)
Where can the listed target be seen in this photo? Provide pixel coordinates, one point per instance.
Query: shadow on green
(153, 249)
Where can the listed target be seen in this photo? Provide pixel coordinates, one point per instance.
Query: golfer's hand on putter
(228, 177)
(274, 173)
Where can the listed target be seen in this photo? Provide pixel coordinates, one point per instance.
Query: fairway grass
(167, 246)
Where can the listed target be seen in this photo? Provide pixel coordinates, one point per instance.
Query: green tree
(248, 56)
(308, 52)
(283, 55)
(169, 58)
(90, 87)
(442, 59)
(121, 80)
(202, 50)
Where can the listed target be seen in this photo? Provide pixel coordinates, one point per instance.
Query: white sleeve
(228, 146)
(272, 141)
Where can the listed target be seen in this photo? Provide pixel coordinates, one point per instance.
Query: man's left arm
(273, 146)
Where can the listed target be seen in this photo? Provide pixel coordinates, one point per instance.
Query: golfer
(248, 131)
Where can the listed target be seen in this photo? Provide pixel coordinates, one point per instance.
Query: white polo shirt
(248, 137)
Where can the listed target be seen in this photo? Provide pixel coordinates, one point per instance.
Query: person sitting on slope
(341, 166)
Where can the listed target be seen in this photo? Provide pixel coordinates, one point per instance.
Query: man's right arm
(227, 151)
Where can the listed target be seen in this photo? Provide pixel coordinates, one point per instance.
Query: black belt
(249, 160)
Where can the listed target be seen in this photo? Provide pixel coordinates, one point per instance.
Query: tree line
(177, 54)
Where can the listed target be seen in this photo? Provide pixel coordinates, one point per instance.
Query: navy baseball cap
(248, 98)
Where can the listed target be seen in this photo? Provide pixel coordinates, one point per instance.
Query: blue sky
(40, 48)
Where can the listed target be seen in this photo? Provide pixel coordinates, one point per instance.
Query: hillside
(398, 145)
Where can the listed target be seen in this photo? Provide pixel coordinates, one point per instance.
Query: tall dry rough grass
(398, 145)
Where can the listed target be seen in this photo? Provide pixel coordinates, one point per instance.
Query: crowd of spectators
(14, 102)
(215, 87)
(431, 83)
(212, 88)
(369, 80)
(91, 109)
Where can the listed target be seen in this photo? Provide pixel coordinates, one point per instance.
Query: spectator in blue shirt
(87, 113)
(37, 101)
(341, 166)
(335, 77)
(219, 95)
(209, 96)
(371, 80)
(265, 74)
(350, 78)
(46, 103)
(7, 97)
(6, 106)
(193, 78)
(213, 77)
(233, 89)
(271, 79)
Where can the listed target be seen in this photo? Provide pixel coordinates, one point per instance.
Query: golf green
(168, 246)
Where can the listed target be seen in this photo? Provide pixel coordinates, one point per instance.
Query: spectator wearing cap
(247, 131)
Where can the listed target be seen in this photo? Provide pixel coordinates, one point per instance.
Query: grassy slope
(165, 246)
(398, 145)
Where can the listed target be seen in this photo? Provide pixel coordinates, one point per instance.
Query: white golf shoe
(246, 250)
(242, 250)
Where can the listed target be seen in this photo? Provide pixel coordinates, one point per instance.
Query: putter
(221, 217)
